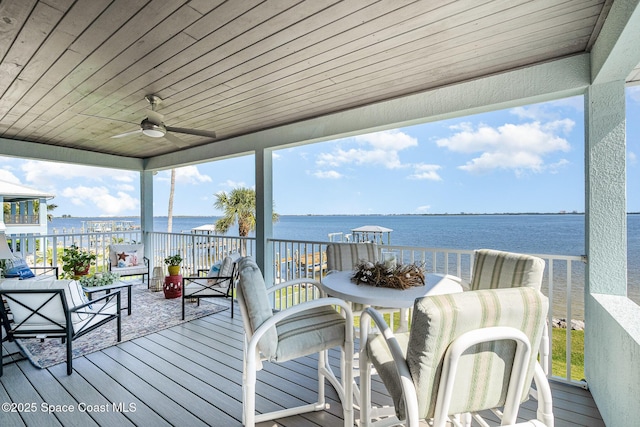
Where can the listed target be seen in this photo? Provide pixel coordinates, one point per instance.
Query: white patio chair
(54, 309)
(494, 269)
(219, 282)
(466, 352)
(129, 260)
(300, 330)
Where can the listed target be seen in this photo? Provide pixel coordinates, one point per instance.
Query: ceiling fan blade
(175, 140)
(122, 135)
(197, 132)
(155, 117)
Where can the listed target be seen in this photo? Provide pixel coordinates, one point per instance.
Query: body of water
(537, 234)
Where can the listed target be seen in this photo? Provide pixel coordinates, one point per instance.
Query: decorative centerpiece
(380, 274)
(99, 279)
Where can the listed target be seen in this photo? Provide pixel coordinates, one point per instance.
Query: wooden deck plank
(81, 390)
(191, 374)
(114, 391)
(21, 392)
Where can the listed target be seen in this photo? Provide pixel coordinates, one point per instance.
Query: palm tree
(238, 206)
(172, 190)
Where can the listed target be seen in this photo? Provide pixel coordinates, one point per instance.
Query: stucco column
(605, 186)
(146, 212)
(264, 211)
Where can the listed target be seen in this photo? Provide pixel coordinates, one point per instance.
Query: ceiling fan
(153, 126)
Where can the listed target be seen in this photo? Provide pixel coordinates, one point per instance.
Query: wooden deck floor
(190, 375)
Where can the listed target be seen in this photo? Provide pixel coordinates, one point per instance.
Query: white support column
(43, 220)
(146, 212)
(264, 211)
(605, 186)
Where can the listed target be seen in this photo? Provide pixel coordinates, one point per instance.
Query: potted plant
(173, 263)
(76, 262)
(100, 279)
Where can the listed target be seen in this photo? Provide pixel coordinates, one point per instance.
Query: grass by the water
(558, 353)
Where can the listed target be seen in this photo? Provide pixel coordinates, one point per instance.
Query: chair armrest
(202, 270)
(292, 282)
(145, 260)
(45, 270)
(106, 298)
(299, 308)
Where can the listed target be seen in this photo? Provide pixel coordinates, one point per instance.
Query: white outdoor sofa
(51, 308)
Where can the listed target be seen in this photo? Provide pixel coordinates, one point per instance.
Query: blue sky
(526, 159)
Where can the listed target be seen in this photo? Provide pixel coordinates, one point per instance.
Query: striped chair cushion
(253, 294)
(496, 269)
(345, 256)
(309, 332)
(483, 371)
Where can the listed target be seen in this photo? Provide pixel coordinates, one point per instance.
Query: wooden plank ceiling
(75, 73)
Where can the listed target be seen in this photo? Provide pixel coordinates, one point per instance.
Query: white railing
(199, 251)
(563, 281)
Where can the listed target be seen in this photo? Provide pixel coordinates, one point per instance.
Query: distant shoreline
(351, 215)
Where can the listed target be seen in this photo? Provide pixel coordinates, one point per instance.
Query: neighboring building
(22, 217)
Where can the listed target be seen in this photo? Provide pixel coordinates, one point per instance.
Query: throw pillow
(17, 267)
(132, 259)
(214, 272)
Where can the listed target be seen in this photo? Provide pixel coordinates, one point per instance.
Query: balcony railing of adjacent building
(563, 280)
(21, 219)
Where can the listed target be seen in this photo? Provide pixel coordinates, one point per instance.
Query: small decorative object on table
(99, 279)
(400, 276)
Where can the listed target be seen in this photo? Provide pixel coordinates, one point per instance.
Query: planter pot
(172, 286)
(78, 274)
(174, 270)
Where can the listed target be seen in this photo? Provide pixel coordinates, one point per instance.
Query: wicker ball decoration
(402, 276)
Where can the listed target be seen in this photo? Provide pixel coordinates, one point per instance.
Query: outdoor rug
(150, 312)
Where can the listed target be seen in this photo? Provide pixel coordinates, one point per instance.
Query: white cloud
(234, 184)
(634, 93)
(8, 176)
(331, 174)
(100, 198)
(42, 174)
(185, 175)
(422, 209)
(518, 147)
(424, 171)
(379, 148)
(632, 158)
(191, 175)
(126, 187)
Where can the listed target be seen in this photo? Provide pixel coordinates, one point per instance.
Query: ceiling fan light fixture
(151, 129)
(153, 133)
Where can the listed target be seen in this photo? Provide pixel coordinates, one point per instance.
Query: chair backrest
(43, 304)
(126, 255)
(497, 269)
(345, 256)
(253, 299)
(484, 370)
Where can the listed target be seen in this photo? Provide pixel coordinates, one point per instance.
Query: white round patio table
(339, 284)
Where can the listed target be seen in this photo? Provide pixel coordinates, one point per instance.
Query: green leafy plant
(100, 279)
(76, 261)
(173, 259)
